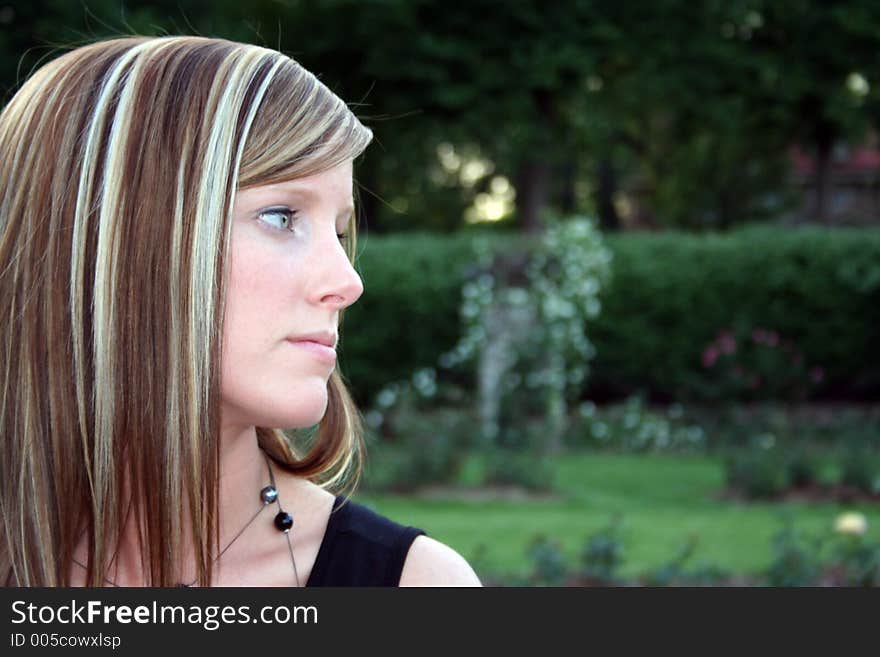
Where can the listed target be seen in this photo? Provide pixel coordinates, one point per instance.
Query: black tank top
(361, 548)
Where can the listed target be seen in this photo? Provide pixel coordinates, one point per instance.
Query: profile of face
(289, 278)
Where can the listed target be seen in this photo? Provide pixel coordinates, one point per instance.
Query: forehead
(339, 177)
(334, 186)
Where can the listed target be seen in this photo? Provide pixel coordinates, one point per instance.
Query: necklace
(283, 523)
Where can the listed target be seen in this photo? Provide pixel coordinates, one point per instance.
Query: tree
(495, 74)
(686, 108)
(820, 74)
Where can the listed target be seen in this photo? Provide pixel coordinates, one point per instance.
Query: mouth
(319, 350)
(326, 338)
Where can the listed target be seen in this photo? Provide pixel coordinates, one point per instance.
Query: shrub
(860, 468)
(859, 561)
(671, 292)
(508, 467)
(674, 573)
(524, 317)
(759, 472)
(399, 469)
(803, 467)
(549, 567)
(417, 436)
(857, 558)
(634, 427)
(796, 560)
(602, 554)
(667, 298)
(408, 314)
(748, 364)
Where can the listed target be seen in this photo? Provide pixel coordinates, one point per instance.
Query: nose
(337, 283)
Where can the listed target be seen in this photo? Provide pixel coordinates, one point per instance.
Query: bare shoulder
(432, 563)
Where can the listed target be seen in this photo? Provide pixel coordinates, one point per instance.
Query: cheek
(264, 381)
(255, 301)
(261, 288)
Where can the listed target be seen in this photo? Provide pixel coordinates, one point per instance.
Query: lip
(320, 351)
(321, 337)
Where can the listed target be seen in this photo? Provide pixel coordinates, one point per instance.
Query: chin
(299, 415)
(299, 422)
(304, 410)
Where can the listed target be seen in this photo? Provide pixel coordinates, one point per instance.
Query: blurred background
(622, 271)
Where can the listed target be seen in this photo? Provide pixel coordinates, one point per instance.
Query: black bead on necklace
(283, 520)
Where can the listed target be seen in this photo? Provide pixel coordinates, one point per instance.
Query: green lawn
(662, 500)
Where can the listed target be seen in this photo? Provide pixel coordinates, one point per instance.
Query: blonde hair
(119, 162)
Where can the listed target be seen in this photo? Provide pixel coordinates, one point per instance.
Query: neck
(243, 473)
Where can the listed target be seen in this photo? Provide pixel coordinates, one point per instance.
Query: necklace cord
(281, 511)
(274, 496)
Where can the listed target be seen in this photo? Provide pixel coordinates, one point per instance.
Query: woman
(176, 239)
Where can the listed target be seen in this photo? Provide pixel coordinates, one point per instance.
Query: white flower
(675, 411)
(373, 419)
(851, 523)
(425, 382)
(386, 398)
(599, 430)
(695, 434)
(485, 281)
(587, 409)
(766, 440)
(517, 296)
(662, 434)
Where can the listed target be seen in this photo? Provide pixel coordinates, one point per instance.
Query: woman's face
(289, 278)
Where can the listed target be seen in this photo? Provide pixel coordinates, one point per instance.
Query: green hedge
(670, 295)
(408, 314)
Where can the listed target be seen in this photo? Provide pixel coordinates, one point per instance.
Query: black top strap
(361, 548)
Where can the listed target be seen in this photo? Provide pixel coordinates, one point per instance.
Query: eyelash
(291, 215)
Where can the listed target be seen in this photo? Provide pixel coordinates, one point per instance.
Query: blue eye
(282, 218)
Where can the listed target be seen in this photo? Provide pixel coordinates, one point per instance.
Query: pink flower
(710, 355)
(727, 343)
(759, 335)
(772, 338)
